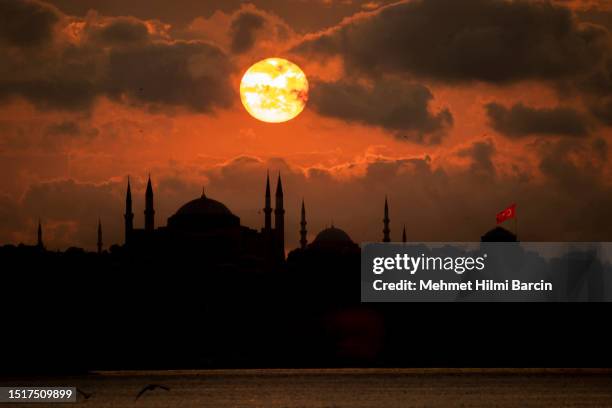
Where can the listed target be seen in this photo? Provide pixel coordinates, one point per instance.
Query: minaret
(386, 230)
(39, 242)
(279, 219)
(149, 211)
(303, 231)
(268, 208)
(99, 236)
(404, 234)
(129, 215)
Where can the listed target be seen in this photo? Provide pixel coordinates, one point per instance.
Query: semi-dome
(332, 235)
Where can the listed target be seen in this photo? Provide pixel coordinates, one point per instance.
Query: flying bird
(84, 394)
(151, 387)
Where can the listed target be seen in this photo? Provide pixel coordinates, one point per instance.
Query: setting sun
(274, 90)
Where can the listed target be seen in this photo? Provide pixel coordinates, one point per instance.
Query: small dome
(204, 206)
(332, 235)
(498, 234)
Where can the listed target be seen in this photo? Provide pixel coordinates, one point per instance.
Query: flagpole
(516, 226)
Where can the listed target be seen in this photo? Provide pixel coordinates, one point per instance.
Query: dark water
(343, 388)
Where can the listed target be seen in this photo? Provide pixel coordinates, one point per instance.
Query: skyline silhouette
(204, 204)
(451, 132)
(411, 120)
(206, 213)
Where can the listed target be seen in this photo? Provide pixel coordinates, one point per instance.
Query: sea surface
(338, 388)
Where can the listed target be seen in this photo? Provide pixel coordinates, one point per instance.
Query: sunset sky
(454, 109)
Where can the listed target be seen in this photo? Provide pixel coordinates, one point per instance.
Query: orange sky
(67, 163)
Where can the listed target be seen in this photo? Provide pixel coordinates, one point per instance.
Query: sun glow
(274, 90)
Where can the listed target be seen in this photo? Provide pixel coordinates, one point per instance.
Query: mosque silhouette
(203, 291)
(205, 226)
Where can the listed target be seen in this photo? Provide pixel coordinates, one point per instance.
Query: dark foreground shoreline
(339, 388)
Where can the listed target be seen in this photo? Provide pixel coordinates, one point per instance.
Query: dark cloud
(304, 16)
(26, 23)
(601, 107)
(190, 74)
(600, 149)
(51, 92)
(484, 40)
(597, 87)
(572, 164)
(64, 128)
(121, 30)
(398, 106)
(61, 134)
(243, 30)
(119, 58)
(596, 16)
(521, 120)
(576, 181)
(481, 154)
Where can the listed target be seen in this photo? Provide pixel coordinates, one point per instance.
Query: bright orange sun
(274, 90)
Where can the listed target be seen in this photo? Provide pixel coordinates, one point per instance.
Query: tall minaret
(39, 242)
(99, 236)
(303, 231)
(386, 230)
(279, 219)
(268, 207)
(404, 234)
(129, 215)
(149, 211)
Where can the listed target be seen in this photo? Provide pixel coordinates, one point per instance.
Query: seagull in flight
(84, 394)
(152, 387)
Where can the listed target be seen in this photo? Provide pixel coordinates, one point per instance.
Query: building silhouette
(386, 221)
(99, 243)
(129, 214)
(499, 234)
(206, 227)
(149, 212)
(303, 230)
(39, 237)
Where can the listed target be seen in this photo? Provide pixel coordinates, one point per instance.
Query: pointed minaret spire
(404, 234)
(268, 206)
(279, 187)
(303, 231)
(203, 191)
(39, 241)
(99, 236)
(279, 219)
(386, 220)
(149, 211)
(129, 215)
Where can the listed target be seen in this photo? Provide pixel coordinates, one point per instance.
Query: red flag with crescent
(506, 214)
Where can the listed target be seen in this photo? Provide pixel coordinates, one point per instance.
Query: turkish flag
(506, 214)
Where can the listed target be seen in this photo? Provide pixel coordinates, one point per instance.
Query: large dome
(204, 206)
(203, 214)
(332, 235)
